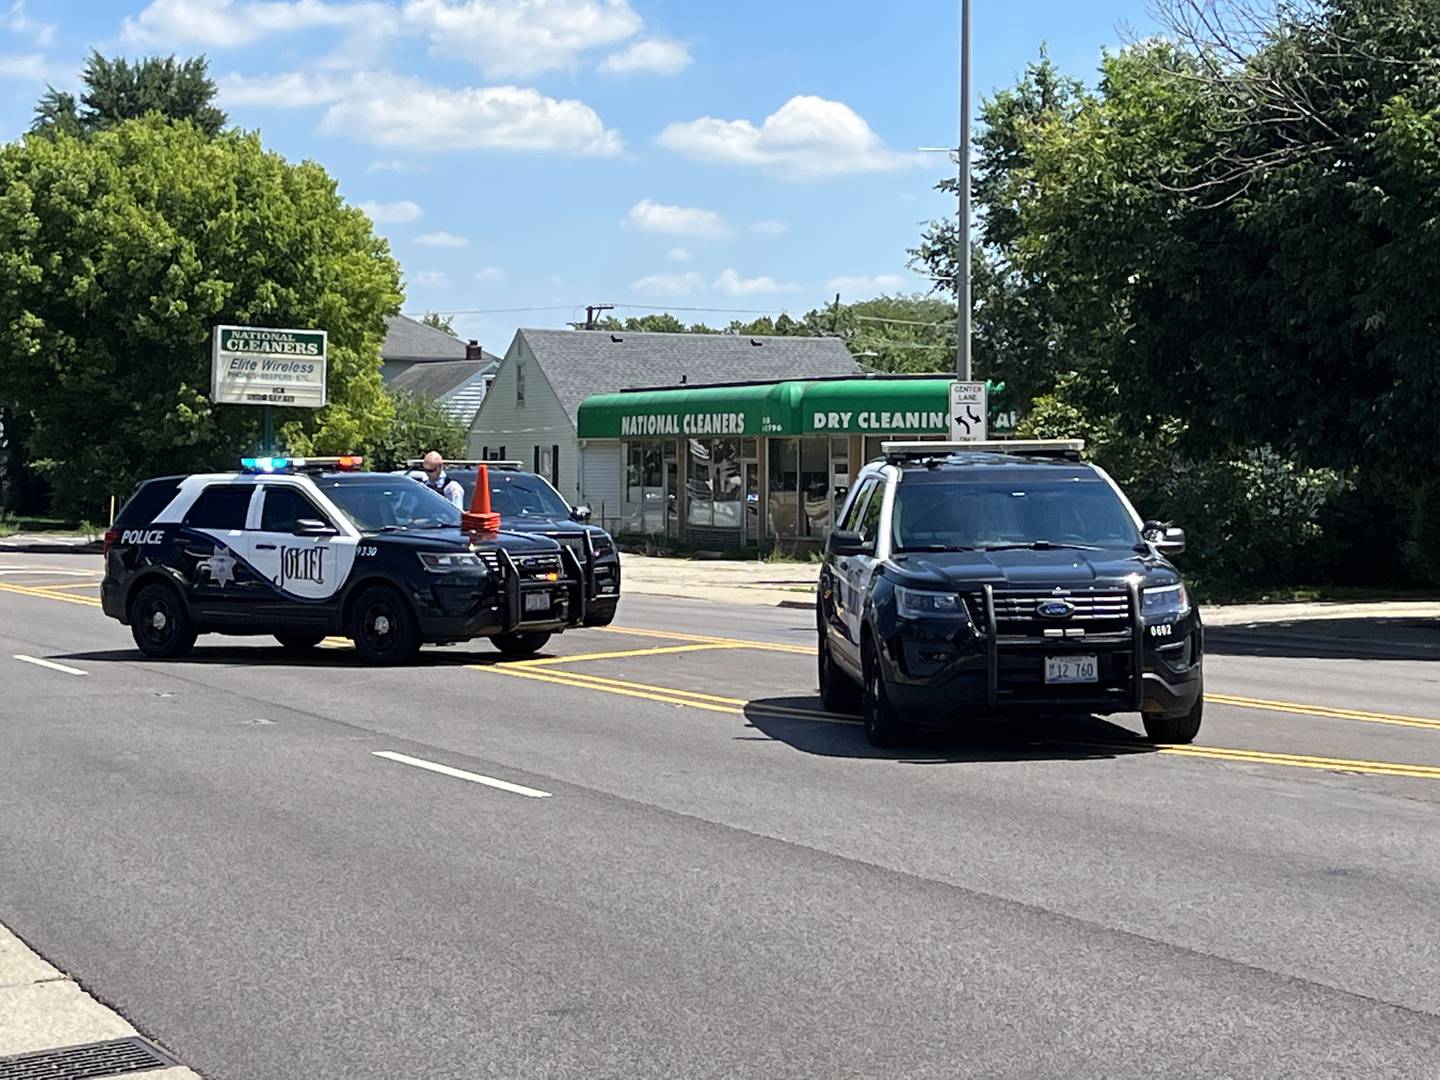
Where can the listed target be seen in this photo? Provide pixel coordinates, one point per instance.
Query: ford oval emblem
(1055, 609)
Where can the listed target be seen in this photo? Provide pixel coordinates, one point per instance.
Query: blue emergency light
(265, 464)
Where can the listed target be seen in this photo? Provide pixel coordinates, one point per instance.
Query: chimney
(473, 350)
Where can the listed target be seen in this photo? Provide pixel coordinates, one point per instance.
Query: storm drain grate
(114, 1058)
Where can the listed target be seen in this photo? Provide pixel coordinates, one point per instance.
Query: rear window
(145, 505)
(221, 506)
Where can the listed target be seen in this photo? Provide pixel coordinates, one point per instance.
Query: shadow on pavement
(273, 655)
(1399, 638)
(988, 739)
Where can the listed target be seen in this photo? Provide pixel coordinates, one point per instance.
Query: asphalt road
(653, 856)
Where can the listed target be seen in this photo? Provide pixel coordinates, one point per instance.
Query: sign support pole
(267, 421)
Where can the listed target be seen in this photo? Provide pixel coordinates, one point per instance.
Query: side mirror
(314, 527)
(1168, 539)
(849, 543)
(580, 514)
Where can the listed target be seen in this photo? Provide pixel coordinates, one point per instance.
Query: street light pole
(962, 259)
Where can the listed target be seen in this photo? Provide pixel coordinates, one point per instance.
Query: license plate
(537, 601)
(1070, 669)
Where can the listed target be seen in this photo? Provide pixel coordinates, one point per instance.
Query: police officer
(437, 479)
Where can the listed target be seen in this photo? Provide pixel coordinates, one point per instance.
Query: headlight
(601, 544)
(922, 603)
(1166, 600)
(442, 562)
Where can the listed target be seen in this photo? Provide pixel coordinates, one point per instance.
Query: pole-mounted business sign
(255, 365)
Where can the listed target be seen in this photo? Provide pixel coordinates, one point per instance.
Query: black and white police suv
(526, 502)
(305, 549)
(971, 578)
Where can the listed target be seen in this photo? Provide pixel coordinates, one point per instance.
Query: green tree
(118, 90)
(440, 322)
(119, 253)
(417, 426)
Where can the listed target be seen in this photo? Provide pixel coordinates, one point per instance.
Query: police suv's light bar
(468, 463)
(293, 464)
(1066, 448)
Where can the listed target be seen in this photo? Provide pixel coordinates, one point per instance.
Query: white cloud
(397, 166)
(769, 228)
(430, 277)
(442, 239)
(391, 213)
(669, 284)
(218, 24)
(17, 22)
(806, 138)
(522, 37)
(31, 67)
(490, 273)
(862, 286)
(678, 254)
(652, 56)
(290, 90)
(732, 283)
(410, 114)
(648, 216)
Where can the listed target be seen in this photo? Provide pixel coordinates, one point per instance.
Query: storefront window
(649, 486)
(716, 489)
(815, 486)
(784, 480)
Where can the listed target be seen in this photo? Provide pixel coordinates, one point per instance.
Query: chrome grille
(574, 541)
(491, 560)
(1012, 606)
(539, 566)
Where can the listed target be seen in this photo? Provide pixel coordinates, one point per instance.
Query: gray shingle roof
(406, 339)
(579, 363)
(438, 377)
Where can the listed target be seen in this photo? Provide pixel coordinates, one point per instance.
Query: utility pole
(592, 310)
(963, 306)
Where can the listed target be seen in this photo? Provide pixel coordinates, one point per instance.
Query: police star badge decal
(220, 566)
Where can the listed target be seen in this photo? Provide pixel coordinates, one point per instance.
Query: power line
(907, 322)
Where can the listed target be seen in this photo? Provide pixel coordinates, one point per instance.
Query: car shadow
(986, 739)
(1395, 638)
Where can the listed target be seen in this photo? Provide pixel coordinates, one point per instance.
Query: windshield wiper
(388, 528)
(1041, 545)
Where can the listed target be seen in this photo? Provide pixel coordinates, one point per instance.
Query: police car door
(837, 616)
(304, 549)
(213, 539)
(860, 569)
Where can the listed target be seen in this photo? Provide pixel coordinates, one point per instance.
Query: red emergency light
(480, 518)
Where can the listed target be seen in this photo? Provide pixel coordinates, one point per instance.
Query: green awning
(858, 406)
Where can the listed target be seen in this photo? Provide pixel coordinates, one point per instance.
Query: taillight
(111, 536)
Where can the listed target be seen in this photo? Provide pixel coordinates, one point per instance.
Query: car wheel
(383, 627)
(1175, 729)
(883, 727)
(159, 623)
(515, 645)
(838, 692)
(299, 643)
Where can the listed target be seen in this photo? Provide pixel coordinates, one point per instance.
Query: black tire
(838, 692)
(1175, 729)
(383, 627)
(159, 623)
(883, 727)
(299, 643)
(517, 645)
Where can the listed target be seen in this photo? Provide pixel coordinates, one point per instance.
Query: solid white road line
(461, 774)
(50, 664)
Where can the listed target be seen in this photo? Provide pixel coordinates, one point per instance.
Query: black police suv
(308, 549)
(527, 503)
(969, 578)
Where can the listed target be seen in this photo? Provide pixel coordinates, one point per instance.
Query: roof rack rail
(1068, 449)
(469, 463)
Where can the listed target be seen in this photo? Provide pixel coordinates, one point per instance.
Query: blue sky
(736, 154)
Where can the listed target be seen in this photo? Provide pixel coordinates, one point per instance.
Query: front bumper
(938, 671)
(458, 609)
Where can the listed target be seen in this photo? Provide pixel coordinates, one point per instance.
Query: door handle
(264, 547)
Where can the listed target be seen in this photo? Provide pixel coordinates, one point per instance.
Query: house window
(519, 382)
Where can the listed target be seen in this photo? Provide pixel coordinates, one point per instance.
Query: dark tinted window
(856, 509)
(149, 499)
(381, 503)
(283, 507)
(221, 506)
(516, 494)
(870, 516)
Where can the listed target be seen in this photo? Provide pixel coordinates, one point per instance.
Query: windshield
(390, 504)
(517, 494)
(1056, 510)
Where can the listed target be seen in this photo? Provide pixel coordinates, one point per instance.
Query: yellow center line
(743, 643)
(70, 585)
(1323, 710)
(661, 650)
(45, 594)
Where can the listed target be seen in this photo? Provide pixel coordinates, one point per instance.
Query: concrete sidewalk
(792, 584)
(43, 1009)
